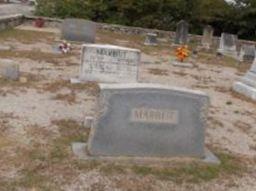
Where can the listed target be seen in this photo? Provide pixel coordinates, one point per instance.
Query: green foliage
(239, 17)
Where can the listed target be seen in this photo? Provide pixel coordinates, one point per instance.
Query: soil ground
(41, 118)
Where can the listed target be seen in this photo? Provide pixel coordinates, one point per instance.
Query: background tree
(238, 17)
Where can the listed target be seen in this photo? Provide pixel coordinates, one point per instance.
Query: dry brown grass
(34, 55)
(180, 73)
(133, 41)
(27, 37)
(69, 98)
(91, 87)
(224, 61)
(214, 123)
(244, 127)
(158, 72)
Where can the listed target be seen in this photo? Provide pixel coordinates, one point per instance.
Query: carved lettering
(147, 115)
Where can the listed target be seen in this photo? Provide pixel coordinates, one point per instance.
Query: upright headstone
(207, 37)
(151, 39)
(228, 45)
(149, 120)
(9, 70)
(181, 36)
(247, 84)
(247, 53)
(108, 63)
(79, 30)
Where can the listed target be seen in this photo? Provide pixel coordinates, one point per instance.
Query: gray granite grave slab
(108, 63)
(181, 36)
(79, 30)
(228, 45)
(207, 37)
(151, 39)
(149, 120)
(247, 84)
(247, 53)
(9, 70)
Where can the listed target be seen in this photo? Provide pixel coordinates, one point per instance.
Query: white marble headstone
(108, 63)
(247, 53)
(228, 45)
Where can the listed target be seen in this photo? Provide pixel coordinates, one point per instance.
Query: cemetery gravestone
(108, 63)
(228, 45)
(247, 53)
(9, 70)
(207, 37)
(181, 36)
(247, 84)
(151, 39)
(79, 30)
(149, 120)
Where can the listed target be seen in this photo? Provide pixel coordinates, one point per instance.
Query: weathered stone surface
(247, 84)
(79, 30)
(207, 37)
(9, 70)
(181, 36)
(151, 39)
(228, 45)
(107, 63)
(149, 120)
(247, 53)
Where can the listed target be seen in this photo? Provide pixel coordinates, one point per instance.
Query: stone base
(183, 64)
(232, 54)
(80, 151)
(246, 90)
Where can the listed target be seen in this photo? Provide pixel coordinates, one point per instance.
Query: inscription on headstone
(149, 120)
(228, 45)
(79, 30)
(107, 63)
(181, 36)
(247, 53)
(154, 116)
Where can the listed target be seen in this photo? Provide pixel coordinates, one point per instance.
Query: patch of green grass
(195, 172)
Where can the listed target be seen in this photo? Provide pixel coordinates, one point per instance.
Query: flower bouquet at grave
(65, 47)
(182, 53)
